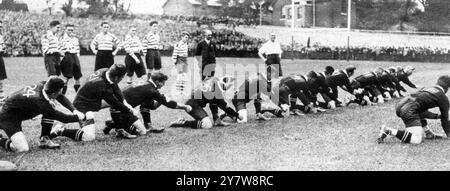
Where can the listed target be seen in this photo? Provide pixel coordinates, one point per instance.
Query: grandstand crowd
(22, 33)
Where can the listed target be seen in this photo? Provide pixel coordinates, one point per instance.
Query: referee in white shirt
(271, 52)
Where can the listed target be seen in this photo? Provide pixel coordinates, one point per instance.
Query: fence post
(292, 48)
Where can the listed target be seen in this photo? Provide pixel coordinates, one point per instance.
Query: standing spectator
(152, 43)
(2, 64)
(70, 64)
(207, 50)
(51, 49)
(104, 46)
(133, 60)
(271, 52)
(179, 56)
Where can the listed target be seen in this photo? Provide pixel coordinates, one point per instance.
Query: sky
(137, 6)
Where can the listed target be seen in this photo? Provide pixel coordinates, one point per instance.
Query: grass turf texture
(343, 139)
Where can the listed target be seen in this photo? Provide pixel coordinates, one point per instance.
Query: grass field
(343, 139)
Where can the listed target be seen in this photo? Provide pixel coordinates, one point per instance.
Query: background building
(191, 8)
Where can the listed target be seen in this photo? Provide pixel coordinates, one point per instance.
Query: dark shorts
(123, 120)
(153, 59)
(407, 109)
(240, 104)
(2, 68)
(52, 64)
(273, 65)
(198, 113)
(181, 60)
(103, 59)
(70, 66)
(10, 123)
(133, 67)
(208, 70)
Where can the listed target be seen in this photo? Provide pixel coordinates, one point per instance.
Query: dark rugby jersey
(146, 94)
(251, 88)
(403, 77)
(297, 86)
(211, 92)
(364, 80)
(390, 80)
(434, 97)
(30, 102)
(341, 79)
(96, 89)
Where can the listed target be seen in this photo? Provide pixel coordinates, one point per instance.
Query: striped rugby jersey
(50, 43)
(152, 41)
(105, 41)
(180, 50)
(70, 44)
(2, 44)
(132, 44)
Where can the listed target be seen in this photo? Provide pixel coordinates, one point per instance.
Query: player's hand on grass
(90, 115)
(187, 108)
(80, 115)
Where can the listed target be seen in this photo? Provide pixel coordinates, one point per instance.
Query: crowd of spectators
(22, 32)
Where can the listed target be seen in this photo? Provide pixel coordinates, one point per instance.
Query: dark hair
(350, 68)
(153, 22)
(312, 74)
(117, 70)
(54, 23)
(69, 25)
(329, 70)
(104, 23)
(53, 84)
(444, 82)
(160, 77)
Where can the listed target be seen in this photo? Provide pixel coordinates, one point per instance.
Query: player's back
(430, 97)
(136, 95)
(27, 102)
(294, 82)
(90, 95)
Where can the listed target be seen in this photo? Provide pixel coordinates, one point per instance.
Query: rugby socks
(5, 143)
(64, 89)
(192, 124)
(277, 112)
(146, 115)
(75, 134)
(257, 103)
(2, 93)
(214, 111)
(403, 135)
(76, 86)
(46, 125)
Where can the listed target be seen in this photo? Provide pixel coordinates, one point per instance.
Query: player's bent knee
(88, 133)
(416, 134)
(243, 115)
(19, 143)
(140, 128)
(206, 123)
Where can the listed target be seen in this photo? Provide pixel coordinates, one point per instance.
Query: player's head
(116, 72)
(273, 37)
(329, 70)
(350, 70)
(69, 29)
(185, 36)
(133, 30)
(444, 82)
(312, 75)
(379, 71)
(154, 26)
(53, 86)
(105, 26)
(392, 70)
(55, 26)
(159, 79)
(409, 70)
(208, 34)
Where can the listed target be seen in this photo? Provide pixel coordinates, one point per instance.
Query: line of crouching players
(101, 91)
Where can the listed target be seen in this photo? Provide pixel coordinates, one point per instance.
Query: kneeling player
(102, 85)
(143, 95)
(298, 87)
(210, 92)
(414, 109)
(27, 103)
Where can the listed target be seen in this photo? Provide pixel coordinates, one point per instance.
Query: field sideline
(343, 139)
